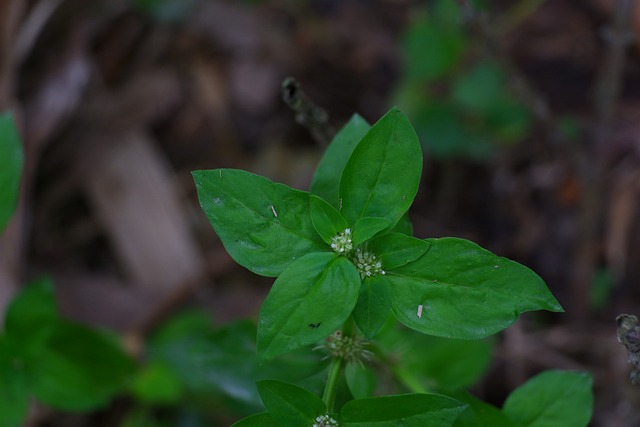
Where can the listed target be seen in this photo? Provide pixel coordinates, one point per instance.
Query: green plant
(347, 265)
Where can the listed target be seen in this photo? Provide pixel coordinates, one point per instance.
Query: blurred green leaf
(211, 363)
(31, 311)
(11, 163)
(361, 379)
(552, 399)
(78, 368)
(155, 383)
(437, 363)
(14, 395)
(262, 419)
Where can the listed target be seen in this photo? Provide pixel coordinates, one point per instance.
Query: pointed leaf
(31, 310)
(263, 225)
(381, 178)
(368, 227)
(289, 404)
(361, 379)
(11, 162)
(552, 399)
(404, 410)
(257, 420)
(310, 300)
(479, 413)
(459, 290)
(374, 305)
(396, 250)
(326, 180)
(326, 219)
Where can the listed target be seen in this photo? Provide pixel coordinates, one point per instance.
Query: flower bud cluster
(325, 421)
(342, 243)
(367, 264)
(350, 348)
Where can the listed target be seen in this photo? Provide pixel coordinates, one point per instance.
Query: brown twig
(307, 113)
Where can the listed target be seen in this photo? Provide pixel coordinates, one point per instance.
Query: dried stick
(307, 113)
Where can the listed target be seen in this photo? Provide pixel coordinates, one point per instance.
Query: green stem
(330, 389)
(335, 369)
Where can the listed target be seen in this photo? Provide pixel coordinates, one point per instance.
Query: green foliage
(11, 162)
(343, 258)
(63, 364)
(461, 105)
(552, 399)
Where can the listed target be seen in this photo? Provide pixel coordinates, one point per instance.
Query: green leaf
(326, 179)
(405, 410)
(374, 305)
(14, 395)
(479, 413)
(11, 163)
(463, 291)
(310, 300)
(214, 364)
(361, 379)
(326, 219)
(263, 225)
(78, 368)
(156, 384)
(32, 309)
(436, 363)
(289, 404)
(552, 399)
(396, 250)
(404, 226)
(263, 419)
(382, 175)
(368, 227)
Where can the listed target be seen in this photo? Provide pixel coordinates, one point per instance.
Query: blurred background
(528, 112)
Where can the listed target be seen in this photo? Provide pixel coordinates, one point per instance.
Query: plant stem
(336, 368)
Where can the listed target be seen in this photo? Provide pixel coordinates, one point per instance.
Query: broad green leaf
(459, 290)
(436, 363)
(374, 305)
(33, 308)
(222, 363)
(78, 368)
(263, 419)
(382, 175)
(326, 180)
(156, 384)
(396, 250)
(264, 226)
(368, 227)
(479, 413)
(11, 162)
(326, 219)
(405, 410)
(361, 379)
(289, 404)
(310, 300)
(14, 394)
(552, 399)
